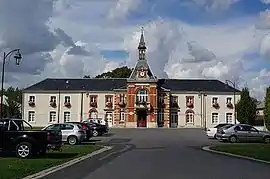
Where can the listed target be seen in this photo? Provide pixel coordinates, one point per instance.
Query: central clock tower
(142, 92)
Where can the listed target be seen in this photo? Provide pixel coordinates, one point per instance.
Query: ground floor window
(214, 118)
(31, 116)
(122, 116)
(52, 116)
(189, 118)
(229, 118)
(108, 118)
(67, 116)
(94, 115)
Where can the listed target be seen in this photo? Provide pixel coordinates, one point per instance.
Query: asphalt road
(162, 154)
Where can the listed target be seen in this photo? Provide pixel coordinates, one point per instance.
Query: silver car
(242, 133)
(71, 133)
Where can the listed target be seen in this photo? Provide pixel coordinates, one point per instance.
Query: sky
(214, 39)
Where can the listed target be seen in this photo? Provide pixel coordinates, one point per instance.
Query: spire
(142, 42)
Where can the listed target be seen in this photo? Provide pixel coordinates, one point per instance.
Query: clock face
(142, 73)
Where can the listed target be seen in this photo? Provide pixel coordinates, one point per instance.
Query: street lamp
(17, 56)
(234, 91)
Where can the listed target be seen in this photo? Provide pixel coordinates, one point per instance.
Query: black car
(97, 129)
(25, 143)
(86, 128)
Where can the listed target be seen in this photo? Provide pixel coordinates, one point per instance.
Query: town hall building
(142, 100)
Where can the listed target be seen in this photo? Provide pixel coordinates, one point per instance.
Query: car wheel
(215, 137)
(23, 150)
(266, 139)
(233, 139)
(95, 133)
(72, 140)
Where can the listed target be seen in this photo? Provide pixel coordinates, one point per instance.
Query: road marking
(207, 148)
(110, 154)
(51, 170)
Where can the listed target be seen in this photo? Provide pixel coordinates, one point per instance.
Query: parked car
(242, 133)
(71, 133)
(85, 127)
(13, 137)
(211, 131)
(97, 129)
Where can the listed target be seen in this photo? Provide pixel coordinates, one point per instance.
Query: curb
(207, 148)
(48, 171)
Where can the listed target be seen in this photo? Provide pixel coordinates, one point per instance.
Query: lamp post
(234, 91)
(18, 58)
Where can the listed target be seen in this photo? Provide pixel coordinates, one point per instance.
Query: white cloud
(265, 1)
(175, 49)
(122, 8)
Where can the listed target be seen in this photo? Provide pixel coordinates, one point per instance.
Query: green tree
(14, 101)
(266, 111)
(246, 108)
(87, 76)
(121, 72)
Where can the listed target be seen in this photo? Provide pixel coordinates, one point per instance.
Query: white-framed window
(67, 99)
(32, 99)
(228, 100)
(122, 116)
(189, 118)
(229, 118)
(53, 99)
(67, 116)
(122, 98)
(214, 100)
(108, 99)
(93, 99)
(94, 115)
(142, 95)
(214, 118)
(52, 117)
(31, 116)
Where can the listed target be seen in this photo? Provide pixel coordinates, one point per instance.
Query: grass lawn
(15, 168)
(258, 151)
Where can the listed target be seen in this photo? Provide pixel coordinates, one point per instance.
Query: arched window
(93, 114)
(142, 95)
(189, 117)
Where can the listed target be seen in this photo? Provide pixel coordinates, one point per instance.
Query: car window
(67, 127)
(53, 127)
(250, 128)
(238, 128)
(79, 126)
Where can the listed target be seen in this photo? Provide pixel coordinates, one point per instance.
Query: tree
(87, 76)
(121, 72)
(266, 110)
(246, 108)
(14, 101)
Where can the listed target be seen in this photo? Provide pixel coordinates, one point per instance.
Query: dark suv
(13, 137)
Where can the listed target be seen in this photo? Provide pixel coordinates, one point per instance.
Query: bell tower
(142, 92)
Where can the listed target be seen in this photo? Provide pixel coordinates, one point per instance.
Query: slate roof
(97, 84)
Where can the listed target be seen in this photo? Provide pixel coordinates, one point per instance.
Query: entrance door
(141, 118)
(174, 119)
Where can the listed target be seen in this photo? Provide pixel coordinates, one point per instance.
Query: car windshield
(220, 125)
